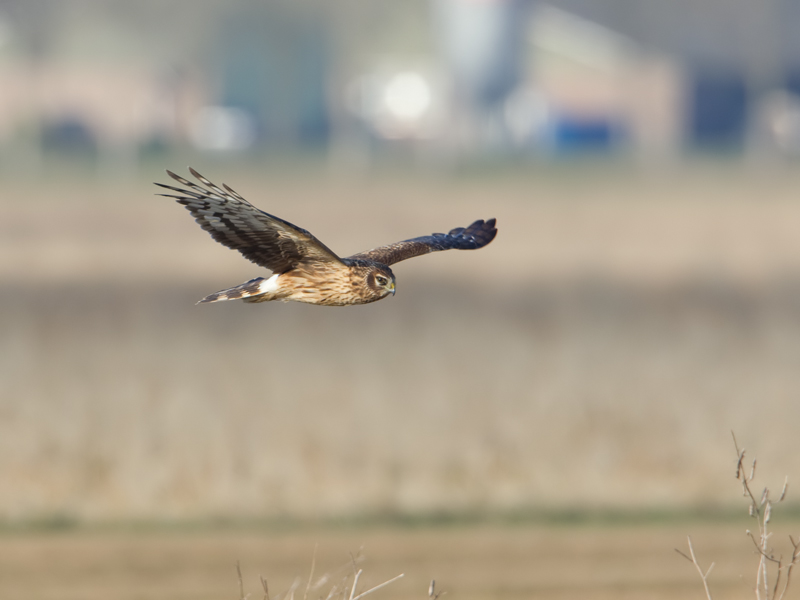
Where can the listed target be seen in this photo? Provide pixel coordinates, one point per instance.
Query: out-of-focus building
(246, 79)
(95, 106)
(734, 60)
(494, 77)
(518, 77)
(652, 78)
(588, 87)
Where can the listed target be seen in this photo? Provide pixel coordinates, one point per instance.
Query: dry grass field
(596, 356)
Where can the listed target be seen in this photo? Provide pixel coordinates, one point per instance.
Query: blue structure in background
(718, 108)
(793, 80)
(572, 135)
(69, 135)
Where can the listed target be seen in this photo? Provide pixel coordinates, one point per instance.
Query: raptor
(303, 268)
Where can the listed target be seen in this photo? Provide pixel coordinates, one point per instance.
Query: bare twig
(241, 584)
(311, 574)
(337, 591)
(777, 577)
(790, 566)
(693, 559)
(265, 586)
(760, 508)
(377, 587)
(355, 583)
(290, 592)
(760, 549)
(785, 488)
(432, 593)
(739, 468)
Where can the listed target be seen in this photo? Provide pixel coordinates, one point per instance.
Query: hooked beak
(391, 288)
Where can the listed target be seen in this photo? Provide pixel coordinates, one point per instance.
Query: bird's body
(304, 269)
(322, 285)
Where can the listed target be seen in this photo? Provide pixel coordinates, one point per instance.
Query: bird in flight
(303, 268)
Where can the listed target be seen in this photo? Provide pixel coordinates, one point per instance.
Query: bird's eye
(381, 280)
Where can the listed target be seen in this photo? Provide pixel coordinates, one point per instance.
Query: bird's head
(380, 280)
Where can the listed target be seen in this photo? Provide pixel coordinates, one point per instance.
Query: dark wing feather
(473, 237)
(234, 222)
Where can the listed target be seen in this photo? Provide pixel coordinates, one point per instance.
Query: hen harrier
(304, 269)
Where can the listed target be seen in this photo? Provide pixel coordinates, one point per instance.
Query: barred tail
(254, 287)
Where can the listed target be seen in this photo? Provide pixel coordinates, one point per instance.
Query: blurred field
(598, 354)
(594, 563)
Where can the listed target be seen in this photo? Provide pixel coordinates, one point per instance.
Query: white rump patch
(269, 285)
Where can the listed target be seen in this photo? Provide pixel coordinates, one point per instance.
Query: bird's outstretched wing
(234, 222)
(473, 237)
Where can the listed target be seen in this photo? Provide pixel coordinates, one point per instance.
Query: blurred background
(641, 301)
(432, 81)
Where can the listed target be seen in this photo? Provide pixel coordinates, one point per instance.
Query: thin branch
(311, 574)
(432, 593)
(377, 587)
(290, 592)
(777, 578)
(265, 586)
(241, 583)
(355, 583)
(761, 510)
(760, 549)
(790, 566)
(739, 467)
(755, 506)
(693, 559)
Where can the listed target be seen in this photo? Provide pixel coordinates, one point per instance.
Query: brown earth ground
(468, 563)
